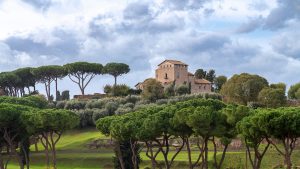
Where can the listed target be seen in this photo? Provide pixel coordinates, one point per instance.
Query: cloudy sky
(230, 36)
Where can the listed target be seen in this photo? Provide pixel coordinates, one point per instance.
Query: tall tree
(50, 124)
(243, 88)
(82, 73)
(278, 86)
(46, 75)
(59, 73)
(153, 90)
(210, 75)
(293, 90)
(13, 128)
(27, 78)
(200, 74)
(272, 97)
(219, 82)
(254, 135)
(283, 124)
(10, 82)
(116, 69)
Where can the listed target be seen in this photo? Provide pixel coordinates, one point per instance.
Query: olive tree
(82, 73)
(116, 69)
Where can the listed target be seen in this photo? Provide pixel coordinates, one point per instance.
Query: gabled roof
(202, 81)
(175, 62)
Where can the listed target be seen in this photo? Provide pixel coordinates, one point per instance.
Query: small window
(166, 76)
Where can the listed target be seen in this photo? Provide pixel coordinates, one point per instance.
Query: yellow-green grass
(74, 154)
(75, 139)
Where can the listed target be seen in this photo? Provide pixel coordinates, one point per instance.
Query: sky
(231, 36)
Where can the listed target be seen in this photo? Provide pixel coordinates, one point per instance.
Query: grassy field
(73, 153)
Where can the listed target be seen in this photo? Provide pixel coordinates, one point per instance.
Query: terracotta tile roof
(175, 62)
(202, 81)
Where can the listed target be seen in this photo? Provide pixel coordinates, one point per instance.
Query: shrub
(132, 99)
(182, 89)
(117, 90)
(60, 104)
(99, 104)
(123, 110)
(99, 113)
(162, 101)
(169, 90)
(111, 107)
(37, 101)
(75, 105)
(127, 105)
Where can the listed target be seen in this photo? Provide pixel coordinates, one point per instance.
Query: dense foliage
(243, 88)
(25, 118)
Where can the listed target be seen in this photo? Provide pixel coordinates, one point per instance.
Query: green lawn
(73, 153)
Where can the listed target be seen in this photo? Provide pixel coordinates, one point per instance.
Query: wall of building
(200, 88)
(181, 74)
(165, 73)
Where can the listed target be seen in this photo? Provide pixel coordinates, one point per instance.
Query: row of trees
(155, 126)
(207, 121)
(22, 121)
(81, 73)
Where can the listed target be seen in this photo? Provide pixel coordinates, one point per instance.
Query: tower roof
(175, 62)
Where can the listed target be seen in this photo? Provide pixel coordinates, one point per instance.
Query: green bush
(75, 105)
(117, 90)
(111, 107)
(37, 101)
(60, 104)
(99, 104)
(99, 113)
(86, 118)
(132, 99)
(182, 89)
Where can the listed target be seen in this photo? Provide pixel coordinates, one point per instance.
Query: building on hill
(176, 72)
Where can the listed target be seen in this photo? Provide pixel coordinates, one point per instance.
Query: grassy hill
(74, 153)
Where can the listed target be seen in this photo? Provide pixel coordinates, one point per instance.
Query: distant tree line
(15, 83)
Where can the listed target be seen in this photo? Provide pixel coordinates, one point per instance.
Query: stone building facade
(174, 71)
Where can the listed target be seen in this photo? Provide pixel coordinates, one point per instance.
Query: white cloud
(143, 33)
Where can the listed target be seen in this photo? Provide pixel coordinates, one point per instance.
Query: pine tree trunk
(189, 153)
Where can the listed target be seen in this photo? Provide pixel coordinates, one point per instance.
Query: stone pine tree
(116, 69)
(82, 73)
(46, 75)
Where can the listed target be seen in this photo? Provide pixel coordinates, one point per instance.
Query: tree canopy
(243, 88)
(82, 73)
(153, 90)
(116, 69)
